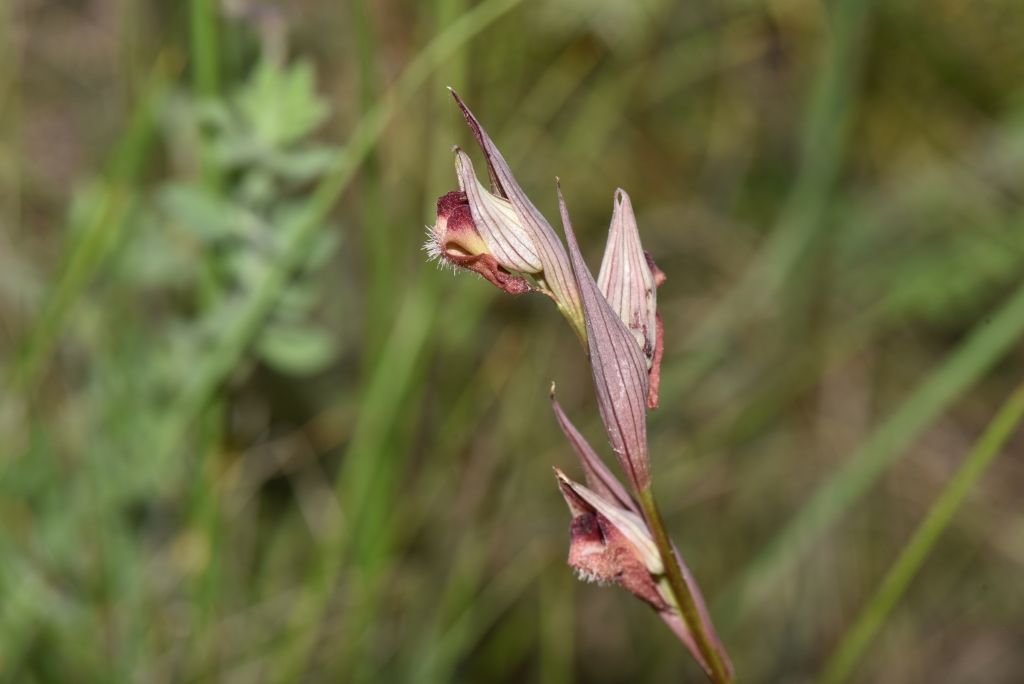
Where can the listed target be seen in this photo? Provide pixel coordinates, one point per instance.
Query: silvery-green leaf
(296, 349)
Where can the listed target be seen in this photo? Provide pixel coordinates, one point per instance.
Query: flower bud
(629, 280)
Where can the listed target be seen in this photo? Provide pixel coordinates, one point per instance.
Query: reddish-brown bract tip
(654, 375)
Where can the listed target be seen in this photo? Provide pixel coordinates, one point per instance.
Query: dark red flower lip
(455, 240)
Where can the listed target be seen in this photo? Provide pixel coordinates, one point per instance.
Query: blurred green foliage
(248, 434)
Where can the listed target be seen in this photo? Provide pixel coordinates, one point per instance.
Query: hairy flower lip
(455, 240)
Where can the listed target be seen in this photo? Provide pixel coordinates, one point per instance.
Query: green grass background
(248, 434)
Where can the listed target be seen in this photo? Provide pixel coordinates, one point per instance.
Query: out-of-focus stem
(681, 590)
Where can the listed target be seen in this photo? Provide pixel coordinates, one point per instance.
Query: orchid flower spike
(499, 233)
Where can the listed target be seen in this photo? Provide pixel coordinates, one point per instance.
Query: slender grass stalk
(362, 468)
(375, 228)
(204, 33)
(496, 596)
(204, 47)
(101, 230)
(10, 126)
(988, 342)
(857, 639)
(556, 634)
(681, 589)
(822, 152)
(206, 519)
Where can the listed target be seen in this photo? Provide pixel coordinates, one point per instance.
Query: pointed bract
(598, 477)
(619, 369)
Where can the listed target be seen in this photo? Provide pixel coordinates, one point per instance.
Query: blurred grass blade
(379, 242)
(204, 33)
(101, 230)
(857, 639)
(822, 151)
(204, 49)
(988, 342)
(363, 473)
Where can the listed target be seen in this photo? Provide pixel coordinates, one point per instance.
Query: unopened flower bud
(629, 280)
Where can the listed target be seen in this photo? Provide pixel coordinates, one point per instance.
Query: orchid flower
(515, 238)
(611, 543)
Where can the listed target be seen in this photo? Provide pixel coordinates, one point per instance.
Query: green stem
(681, 590)
(856, 641)
(203, 42)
